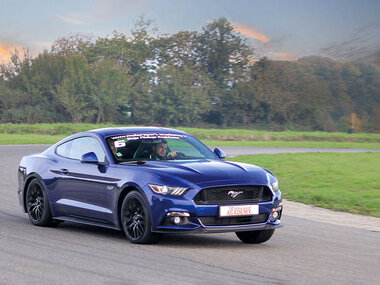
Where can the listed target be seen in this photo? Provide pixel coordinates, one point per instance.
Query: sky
(278, 29)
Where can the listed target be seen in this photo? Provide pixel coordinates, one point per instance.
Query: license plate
(240, 210)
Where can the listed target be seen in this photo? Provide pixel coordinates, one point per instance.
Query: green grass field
(256, 135)
(51, 133)
(308, 144)
(51, 139)
(340, 181)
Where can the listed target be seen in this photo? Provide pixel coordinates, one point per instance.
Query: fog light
(180, 214)
(177, 220)
(276, 214)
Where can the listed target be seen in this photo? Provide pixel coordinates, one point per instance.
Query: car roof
(106, 132)
(109, 132)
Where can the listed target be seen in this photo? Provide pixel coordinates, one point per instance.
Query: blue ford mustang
(147, 182)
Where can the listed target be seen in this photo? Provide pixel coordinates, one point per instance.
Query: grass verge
(206, 134)
(50, 133)
(256, 135)
(51, 139)
(346, 182)
(308, 144)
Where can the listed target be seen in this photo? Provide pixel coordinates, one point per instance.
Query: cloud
(263, 46)
(75, 19)
(6, 51)
(70, 20)
(102, 10)
(251, 32)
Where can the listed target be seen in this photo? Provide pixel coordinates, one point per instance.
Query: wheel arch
(124, 192)
(28, 180)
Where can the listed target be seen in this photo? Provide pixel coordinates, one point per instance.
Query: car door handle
(64, 171)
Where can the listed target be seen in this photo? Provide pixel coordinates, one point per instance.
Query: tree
(75, 91)
(73, 44)
(35, 78)
(223, 53)
(142, 100)
(142, 54)
(111, 88)
(188, 78)
(16, 106)
(181, 96)
(182, 48)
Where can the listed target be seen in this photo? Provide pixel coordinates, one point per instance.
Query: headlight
(275, 186)
(168, 190)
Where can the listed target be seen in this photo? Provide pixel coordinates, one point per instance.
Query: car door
(82, 187)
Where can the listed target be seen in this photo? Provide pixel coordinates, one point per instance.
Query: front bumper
(204, 218)
(220, 229)
(216, 224)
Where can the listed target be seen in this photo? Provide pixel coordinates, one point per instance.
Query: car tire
(255, 236)
(135, 220)
(37, 204)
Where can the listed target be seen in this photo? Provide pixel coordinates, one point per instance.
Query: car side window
(63, 149)
(84, 145)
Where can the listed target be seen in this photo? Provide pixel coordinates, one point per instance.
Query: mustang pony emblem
(234, 194)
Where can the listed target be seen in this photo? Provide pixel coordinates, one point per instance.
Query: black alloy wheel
(37, 204)
(135, 220)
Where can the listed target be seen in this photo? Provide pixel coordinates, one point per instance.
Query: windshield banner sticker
(130, 137)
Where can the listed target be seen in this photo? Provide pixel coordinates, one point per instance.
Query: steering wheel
(142, 151)
(179, 155)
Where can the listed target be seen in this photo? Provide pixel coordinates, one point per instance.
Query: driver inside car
(115, 150)
(159, 151)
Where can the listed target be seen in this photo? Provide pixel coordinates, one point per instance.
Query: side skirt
(86, 222)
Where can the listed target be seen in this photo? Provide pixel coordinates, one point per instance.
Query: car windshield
(157, 146)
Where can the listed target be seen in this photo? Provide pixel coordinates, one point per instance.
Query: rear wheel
(255, 236)
(135, 220)
(37, 204)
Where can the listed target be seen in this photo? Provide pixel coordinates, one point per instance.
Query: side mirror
(89, 157)
(220, 153)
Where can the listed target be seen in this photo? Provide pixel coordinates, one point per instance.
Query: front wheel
(255, 236)
(135, 220)
(37, 204)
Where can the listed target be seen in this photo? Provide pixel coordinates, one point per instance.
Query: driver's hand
(172, 154)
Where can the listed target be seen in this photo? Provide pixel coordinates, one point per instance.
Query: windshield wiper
(133, 162)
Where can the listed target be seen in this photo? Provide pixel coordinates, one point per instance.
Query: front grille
(225, 195)
(229, 221)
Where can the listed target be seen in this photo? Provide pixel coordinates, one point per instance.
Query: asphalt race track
(303, 252)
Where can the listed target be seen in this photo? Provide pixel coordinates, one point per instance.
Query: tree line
(207, 78)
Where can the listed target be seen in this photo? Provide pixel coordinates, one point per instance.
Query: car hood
(209, 172)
